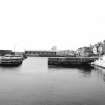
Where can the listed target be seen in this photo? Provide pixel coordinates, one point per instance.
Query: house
(65, 53)
(84, 51)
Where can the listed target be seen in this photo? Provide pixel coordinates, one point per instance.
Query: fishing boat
(11, 60)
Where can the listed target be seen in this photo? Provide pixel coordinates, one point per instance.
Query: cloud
(38, 24)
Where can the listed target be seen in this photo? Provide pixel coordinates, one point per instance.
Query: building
(54, 48)
(104, 47)
(84, 51)
(65, 53)
(95, 50)
(40, 53)
(100, 49)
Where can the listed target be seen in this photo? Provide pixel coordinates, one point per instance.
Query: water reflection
(10, 68)
(85, 70)
(86, 67)
(100, 72)
(77, 84)
(104, 76)
(36, 83)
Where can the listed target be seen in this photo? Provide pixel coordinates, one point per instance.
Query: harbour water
(34, 83)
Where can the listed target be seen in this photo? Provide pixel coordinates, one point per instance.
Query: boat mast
(14, 48)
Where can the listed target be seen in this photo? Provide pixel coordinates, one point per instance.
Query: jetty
(71, 61)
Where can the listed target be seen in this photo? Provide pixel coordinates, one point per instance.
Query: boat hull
(98, 66)
(11, 61)
(10, 64)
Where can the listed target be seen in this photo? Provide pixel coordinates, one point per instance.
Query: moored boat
(100, 62)
(11, 60)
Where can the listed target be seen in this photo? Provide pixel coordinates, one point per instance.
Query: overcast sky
(41, 24)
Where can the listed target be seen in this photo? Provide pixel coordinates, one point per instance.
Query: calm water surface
(34, 83)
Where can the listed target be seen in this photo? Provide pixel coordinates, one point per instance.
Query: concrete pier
(73, 61)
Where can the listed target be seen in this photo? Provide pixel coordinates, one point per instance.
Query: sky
(41, 24)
